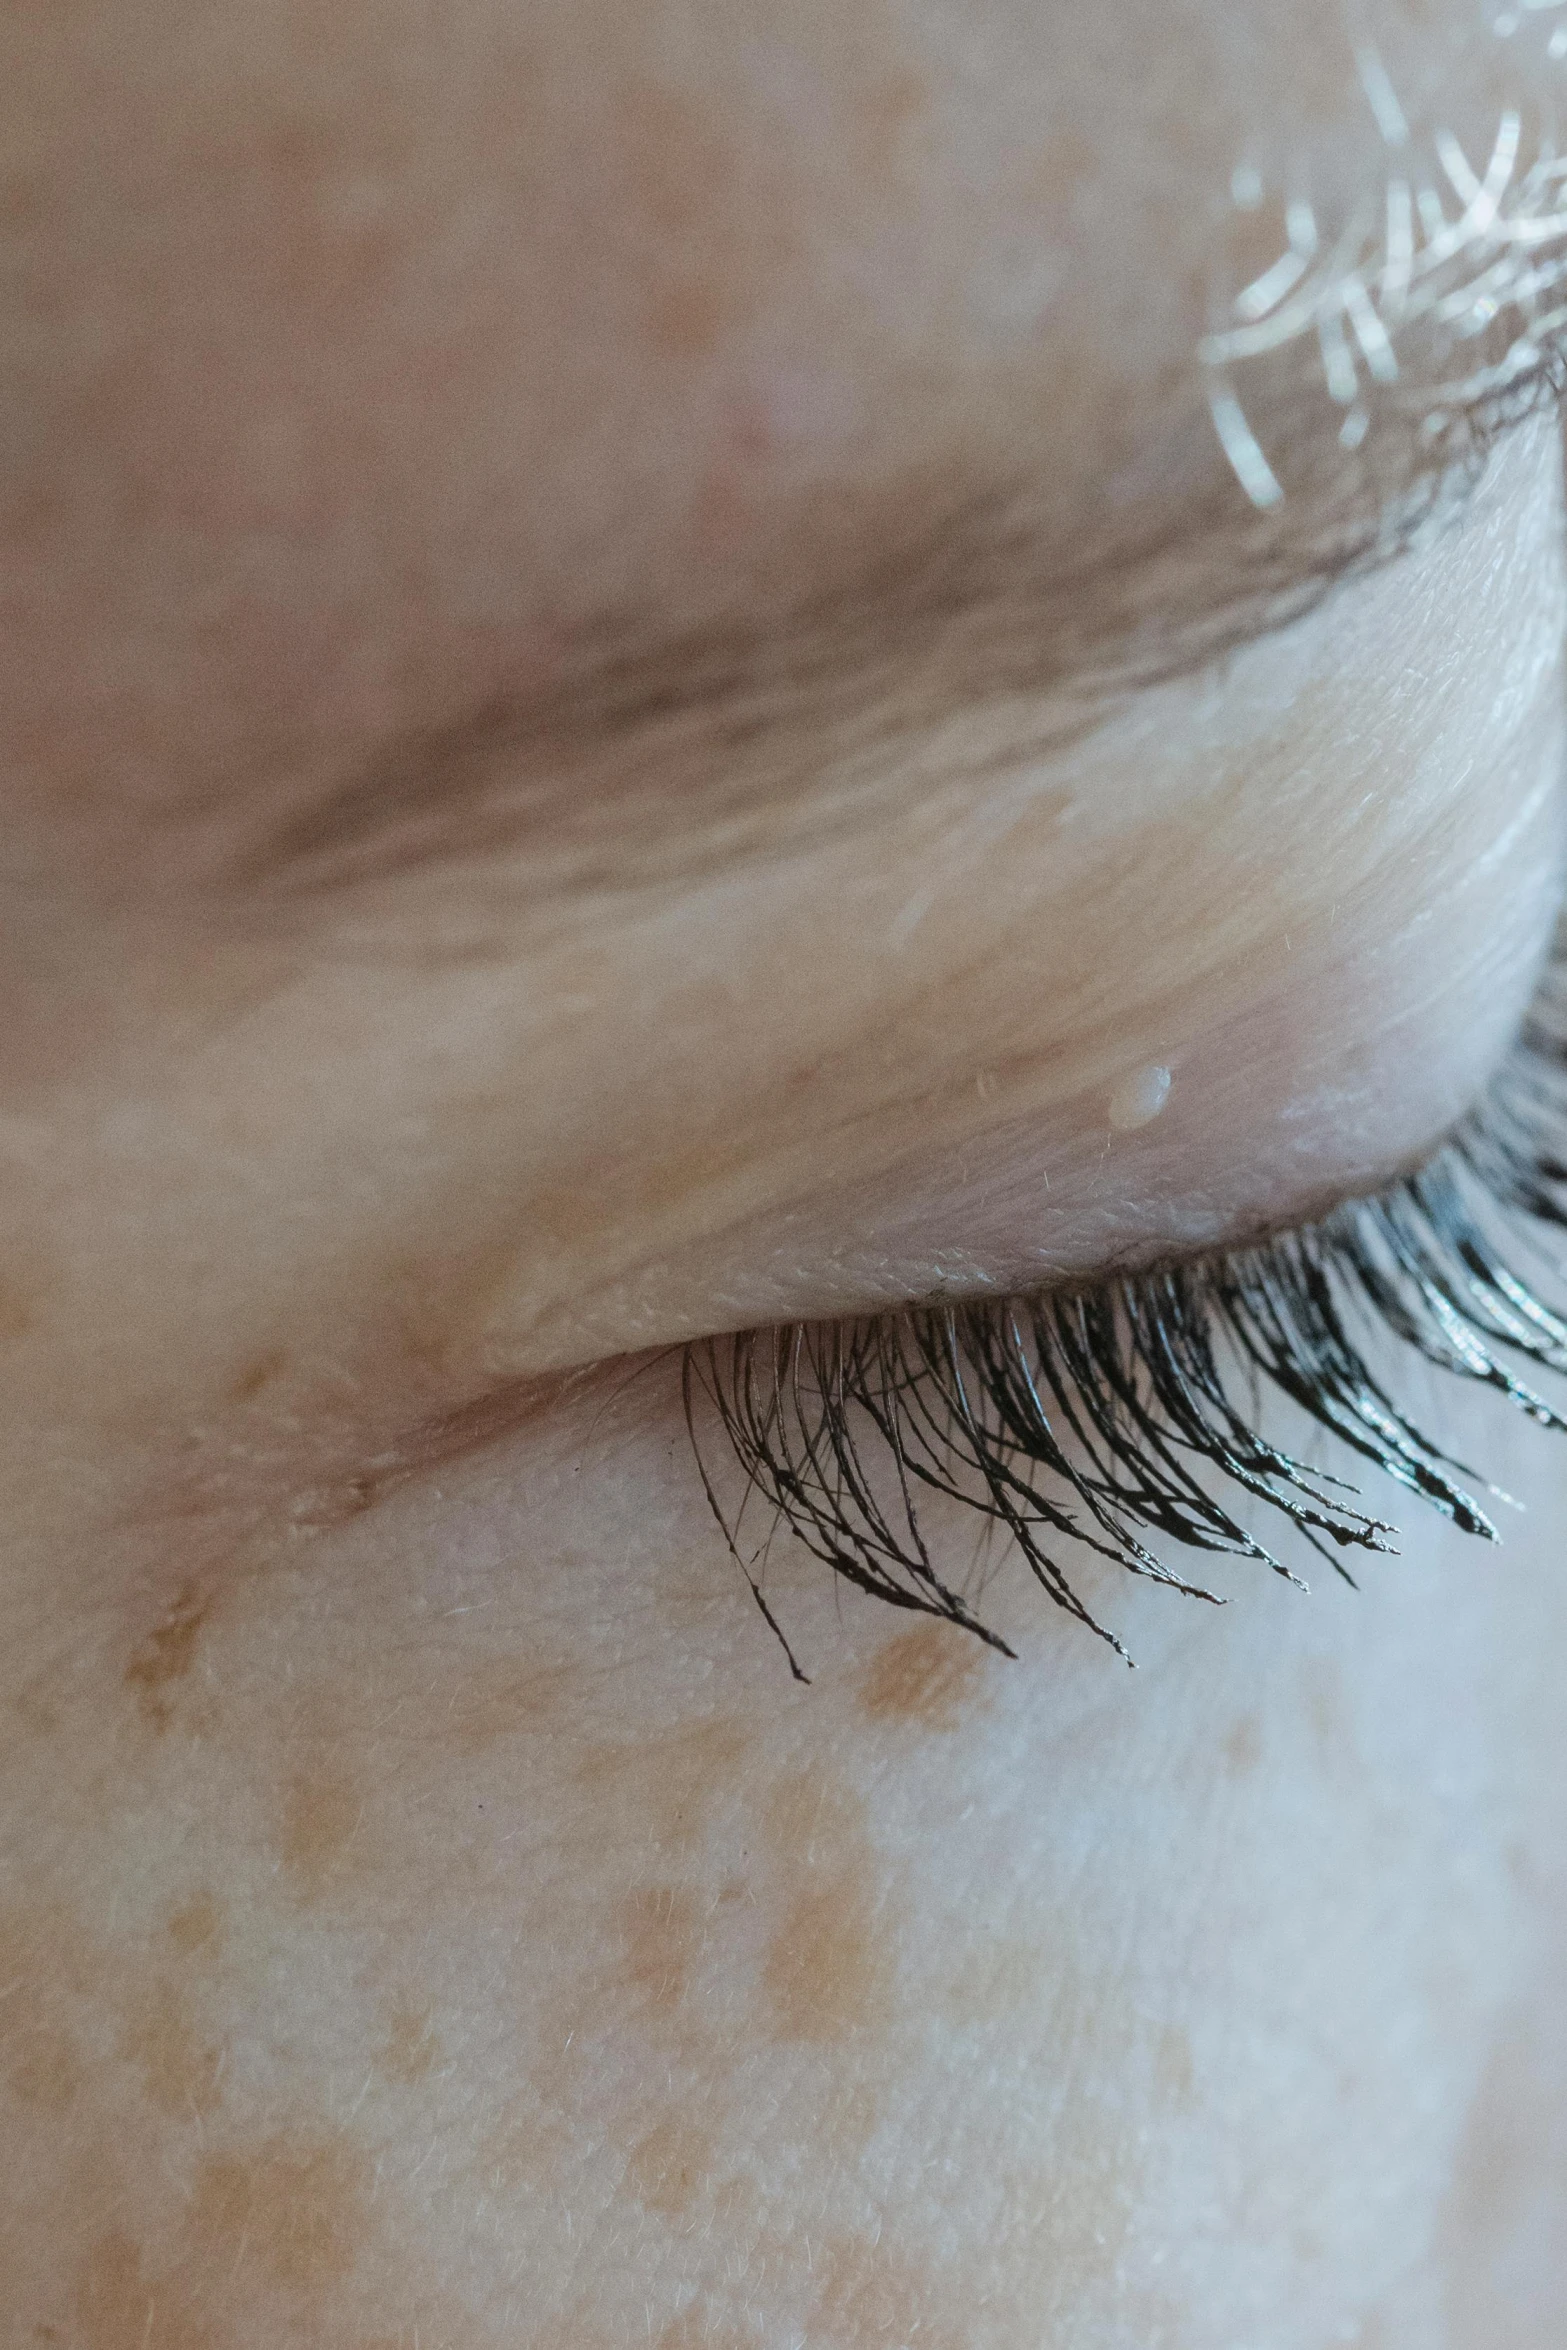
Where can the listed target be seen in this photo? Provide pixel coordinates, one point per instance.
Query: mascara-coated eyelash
(1128, 1413)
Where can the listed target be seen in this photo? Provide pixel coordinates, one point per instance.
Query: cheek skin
(946, 2001)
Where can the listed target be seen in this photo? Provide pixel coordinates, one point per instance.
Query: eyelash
(1107, 1414)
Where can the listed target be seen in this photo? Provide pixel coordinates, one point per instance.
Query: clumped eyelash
(1126, 1415)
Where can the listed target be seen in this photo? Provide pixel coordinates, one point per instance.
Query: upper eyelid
(741, 718)
(976, 601)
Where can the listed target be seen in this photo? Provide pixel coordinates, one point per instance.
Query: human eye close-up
(783, 1151)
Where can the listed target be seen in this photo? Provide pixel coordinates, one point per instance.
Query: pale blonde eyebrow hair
(1443, 285)
(661, 754)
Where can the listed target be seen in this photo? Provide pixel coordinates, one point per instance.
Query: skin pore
(605, 735)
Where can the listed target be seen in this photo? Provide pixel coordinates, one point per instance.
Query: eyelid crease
(661, 758)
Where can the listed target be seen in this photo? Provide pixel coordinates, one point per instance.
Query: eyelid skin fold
(1315, 885)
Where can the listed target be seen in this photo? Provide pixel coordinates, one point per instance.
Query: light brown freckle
(662, 1938)
(165, 1654)
(1243, 1747)
(824, 1974)
(119, 2308)
(924, 1676)
(197, 1926)
(321, 1814)
(671, 2165)
(298, 2209)
(411, 2046)
(181, 2072)
(886, 115)
(827, 1971)
(685, 319)
(261, 1373)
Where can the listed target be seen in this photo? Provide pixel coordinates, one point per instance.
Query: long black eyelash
(1099, 1416)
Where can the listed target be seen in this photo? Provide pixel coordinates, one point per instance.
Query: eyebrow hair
(662, 754)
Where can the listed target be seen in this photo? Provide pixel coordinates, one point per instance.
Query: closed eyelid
(1312, 889)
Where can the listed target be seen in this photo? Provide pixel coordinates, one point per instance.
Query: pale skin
(429, 1911)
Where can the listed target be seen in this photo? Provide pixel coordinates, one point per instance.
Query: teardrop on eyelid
(1138, 1099)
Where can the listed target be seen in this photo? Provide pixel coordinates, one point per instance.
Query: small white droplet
(1246, 187)
(1556, 46)
(1139, 1098)
(1354, 428)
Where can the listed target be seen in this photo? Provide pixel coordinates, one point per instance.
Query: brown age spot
(181, 2071)
(662, 1933)
(257, 1375)
(299, 2208)
(923, 1676)
(686, 317)
(164, 1655)
(824, 1974)
(1243, 1747)
(671, 2165)
(197, 1926)
(321, 1814)
(410, 2047)
(827, 1972)
(118, 2308)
